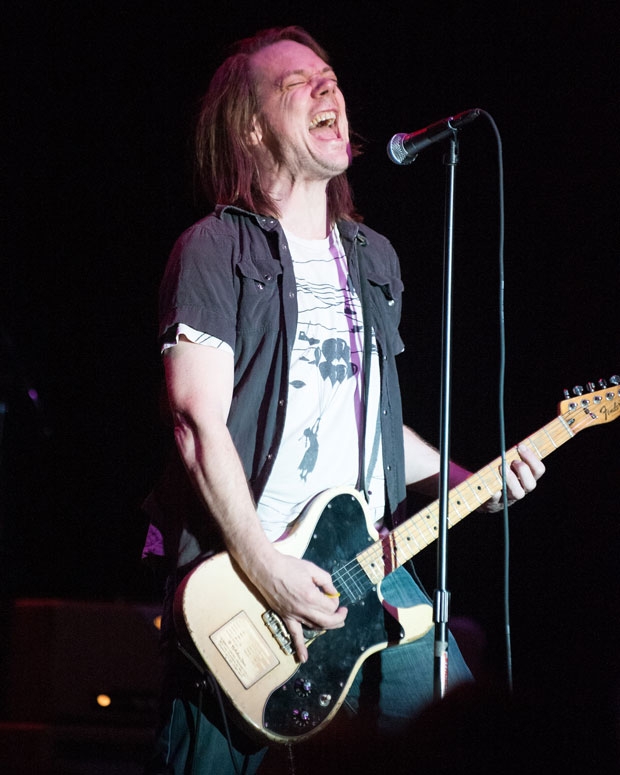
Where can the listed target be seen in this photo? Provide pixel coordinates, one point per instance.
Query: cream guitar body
(245, 645)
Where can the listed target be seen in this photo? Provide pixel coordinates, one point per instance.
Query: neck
(303, 209)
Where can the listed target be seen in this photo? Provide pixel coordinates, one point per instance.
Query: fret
(421, 529)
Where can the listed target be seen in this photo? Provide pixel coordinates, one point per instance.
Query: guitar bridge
(278, 630)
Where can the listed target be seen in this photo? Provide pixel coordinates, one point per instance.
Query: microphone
(404, 149)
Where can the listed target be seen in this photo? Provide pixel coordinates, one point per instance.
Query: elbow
(195, 435)
(186, 432)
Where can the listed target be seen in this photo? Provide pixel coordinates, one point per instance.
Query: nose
(323, 85)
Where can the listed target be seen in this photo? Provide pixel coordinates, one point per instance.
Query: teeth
(323, 119)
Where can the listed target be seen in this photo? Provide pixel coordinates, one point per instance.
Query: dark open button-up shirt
(231, 275)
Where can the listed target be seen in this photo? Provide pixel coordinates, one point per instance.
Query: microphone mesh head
(396, 150)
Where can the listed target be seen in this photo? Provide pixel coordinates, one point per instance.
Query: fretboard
(420, 530)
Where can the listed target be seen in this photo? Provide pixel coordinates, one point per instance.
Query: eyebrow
(288, 73)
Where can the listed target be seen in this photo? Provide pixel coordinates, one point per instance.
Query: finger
(517, 484)
(522, 477)
(536, 465)
(297, 636)
(323, 581)
(321, 620)
(514, 491)
(496, 503)
(329, 592)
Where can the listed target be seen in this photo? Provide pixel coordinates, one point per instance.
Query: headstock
(583, 409)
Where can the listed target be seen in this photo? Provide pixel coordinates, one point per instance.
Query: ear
(255, 135)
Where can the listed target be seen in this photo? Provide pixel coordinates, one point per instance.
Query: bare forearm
(216, 471)
(422, 467)
(422, 464)
(199, 381)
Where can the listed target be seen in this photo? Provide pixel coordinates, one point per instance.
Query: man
(279, 325)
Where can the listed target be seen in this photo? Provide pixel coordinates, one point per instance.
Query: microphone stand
(441, 601)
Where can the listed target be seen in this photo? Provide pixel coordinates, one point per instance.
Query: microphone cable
(501, 397)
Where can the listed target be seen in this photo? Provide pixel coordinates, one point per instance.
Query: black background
(99, 106)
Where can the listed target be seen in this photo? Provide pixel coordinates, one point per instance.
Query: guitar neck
(420, 530)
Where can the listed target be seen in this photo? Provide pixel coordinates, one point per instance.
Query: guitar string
(355, 580)
(375, 553)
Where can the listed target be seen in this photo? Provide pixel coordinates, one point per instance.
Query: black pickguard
(311, 693)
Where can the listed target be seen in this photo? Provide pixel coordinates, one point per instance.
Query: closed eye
(300, 78)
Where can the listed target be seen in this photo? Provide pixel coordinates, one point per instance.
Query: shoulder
(375, 240)
(222, 234)
(219, 224)
(381, 257)
(366, 236)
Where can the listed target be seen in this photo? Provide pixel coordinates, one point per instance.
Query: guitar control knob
(303, 687)
(301, 718)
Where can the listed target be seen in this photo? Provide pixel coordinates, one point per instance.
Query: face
(302, 131)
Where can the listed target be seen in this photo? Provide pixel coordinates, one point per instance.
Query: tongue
(325, 133)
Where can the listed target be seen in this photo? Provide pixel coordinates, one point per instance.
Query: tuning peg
(566, 393)
(615, 380)
(591, 387)
(578, 390)
(602, 383)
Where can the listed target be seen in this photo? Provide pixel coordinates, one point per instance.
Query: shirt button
(388, 468)
(281, 402)
(267, 277)
(291, 294)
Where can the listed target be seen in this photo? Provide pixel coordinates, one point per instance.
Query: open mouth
(325, 120)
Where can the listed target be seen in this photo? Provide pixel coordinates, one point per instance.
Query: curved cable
(501, 409)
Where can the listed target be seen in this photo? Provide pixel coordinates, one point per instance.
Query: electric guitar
(223, 620)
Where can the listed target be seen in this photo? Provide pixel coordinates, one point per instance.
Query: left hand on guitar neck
(521, 478)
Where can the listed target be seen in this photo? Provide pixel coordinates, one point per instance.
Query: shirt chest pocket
(259, 295)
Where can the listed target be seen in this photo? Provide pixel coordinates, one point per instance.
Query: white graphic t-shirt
(320, 445)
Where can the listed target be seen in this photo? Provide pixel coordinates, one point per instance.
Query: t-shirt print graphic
(333, 360)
